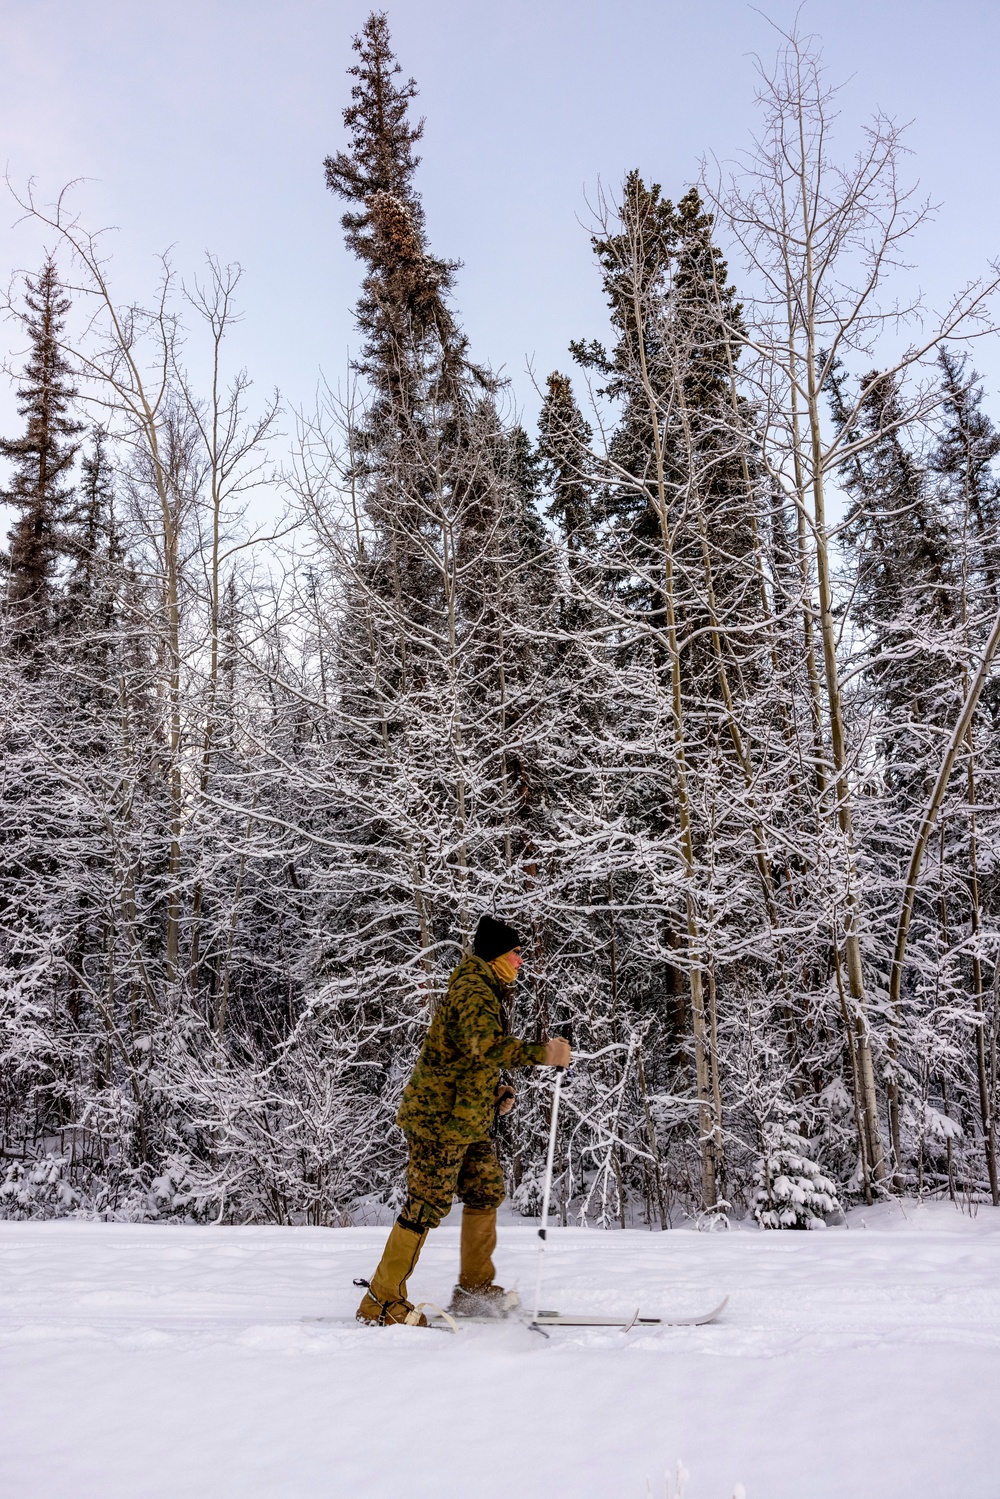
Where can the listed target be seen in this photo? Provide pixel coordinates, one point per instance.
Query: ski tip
(700, 1320)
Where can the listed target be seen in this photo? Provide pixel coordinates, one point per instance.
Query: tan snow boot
(476, 1295)
(385, 1300)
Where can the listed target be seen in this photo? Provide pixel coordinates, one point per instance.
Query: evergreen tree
(564, 450)
(413, 346)
(91, 594)
(91, 534)
(42, 458)
(964, 456)
(678, 324)
(792, 1191)
(435, 731)
(898, 536)
(635, 265)
(380, 159)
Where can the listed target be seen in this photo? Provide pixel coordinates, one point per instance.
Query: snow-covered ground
(861, 1363)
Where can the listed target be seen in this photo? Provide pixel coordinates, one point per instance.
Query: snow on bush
(171, 1192)
(526, 1197)
(38, 1189)
(932, 1128)
(791, 1191)
(52, 1186)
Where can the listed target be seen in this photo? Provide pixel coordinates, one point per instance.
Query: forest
(692, 684)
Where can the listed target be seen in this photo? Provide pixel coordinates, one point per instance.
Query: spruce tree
(964, 455)
(564, 449)
(436, 723)
(635, 266)
(90, 535)
(38, 489)
(380, 159)
(413, 346)
(792, 1191)
(88, 604)
(899, 539)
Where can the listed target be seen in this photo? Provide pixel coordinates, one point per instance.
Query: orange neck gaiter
(504, 969)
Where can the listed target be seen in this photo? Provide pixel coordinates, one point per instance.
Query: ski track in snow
(162, 1362)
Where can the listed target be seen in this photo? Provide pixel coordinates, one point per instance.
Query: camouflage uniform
(448, 1104)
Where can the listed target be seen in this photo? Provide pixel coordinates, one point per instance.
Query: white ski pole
(547, 1189)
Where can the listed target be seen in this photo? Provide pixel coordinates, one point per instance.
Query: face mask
(504, 969)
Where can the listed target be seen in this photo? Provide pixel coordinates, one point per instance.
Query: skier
(447, 1110)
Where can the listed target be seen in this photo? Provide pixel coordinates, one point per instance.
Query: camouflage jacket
(452, 1090)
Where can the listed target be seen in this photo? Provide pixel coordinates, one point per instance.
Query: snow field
(156, 1362)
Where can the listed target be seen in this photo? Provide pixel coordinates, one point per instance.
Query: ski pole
(547, 1188)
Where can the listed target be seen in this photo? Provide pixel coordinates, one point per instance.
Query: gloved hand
(505, 1098)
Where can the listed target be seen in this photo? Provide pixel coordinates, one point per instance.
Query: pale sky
(204, 124)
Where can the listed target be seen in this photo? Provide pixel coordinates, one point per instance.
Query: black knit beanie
(493, 938)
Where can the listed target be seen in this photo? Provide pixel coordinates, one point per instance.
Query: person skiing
(446, 1113)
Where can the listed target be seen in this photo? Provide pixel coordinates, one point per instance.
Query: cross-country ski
(664, 1319)
(584, 1319)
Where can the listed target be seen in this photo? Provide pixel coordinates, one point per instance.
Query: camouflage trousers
(437, 1172)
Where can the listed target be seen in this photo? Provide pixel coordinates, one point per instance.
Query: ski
(563, 1319)
(555, 1319)
(584, 1319)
